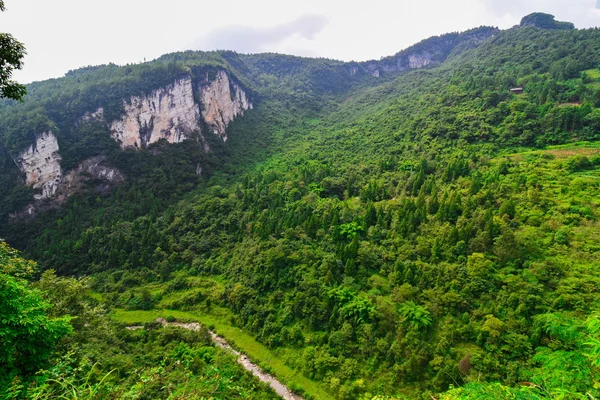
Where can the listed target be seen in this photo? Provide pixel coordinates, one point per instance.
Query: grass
(176, 296)
(96, 296)
(559, 151)
(257, 352)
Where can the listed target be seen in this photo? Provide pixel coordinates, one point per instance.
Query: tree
(70, 296)
(12, 264)
(28, 335)
(415, 316)
(11, 58)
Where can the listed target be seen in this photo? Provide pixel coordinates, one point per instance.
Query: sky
(61, 35)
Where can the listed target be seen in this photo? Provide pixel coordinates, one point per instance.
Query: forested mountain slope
(391, 233)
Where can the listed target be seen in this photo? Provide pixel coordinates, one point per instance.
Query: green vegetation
(83, 354)
(257, 352)
(425, 234)
(593, 74)
(28, 335)
(545, 21)
(12, 53)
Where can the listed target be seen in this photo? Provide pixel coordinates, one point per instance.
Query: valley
(407, 228)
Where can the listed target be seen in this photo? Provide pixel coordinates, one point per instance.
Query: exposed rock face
(92, 168)
(168, 113)
(173, 113)
(71, 183)
(429, 52)
(97, 115)
(41, 165)
(221, 101)
(419, 60)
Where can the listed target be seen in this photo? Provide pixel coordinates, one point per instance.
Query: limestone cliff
(172, 112)
(168, 113)
(221, 100)
(419, 60)
(40, 163)
(62, 187)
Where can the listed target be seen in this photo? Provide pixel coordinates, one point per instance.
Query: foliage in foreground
(58, 343)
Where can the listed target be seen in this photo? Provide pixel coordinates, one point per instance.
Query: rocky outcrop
(63, 187)
(97, 115)
(221, 100)
(429, 52)
(41, 165)
(92, 168)
(168, 113)
(419, 60)
(545, 21)
(172, 113)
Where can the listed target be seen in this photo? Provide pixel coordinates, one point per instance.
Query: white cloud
(248, 39)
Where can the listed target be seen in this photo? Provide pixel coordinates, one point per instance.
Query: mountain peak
(545, 21)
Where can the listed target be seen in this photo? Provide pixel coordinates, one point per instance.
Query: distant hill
(545, 21)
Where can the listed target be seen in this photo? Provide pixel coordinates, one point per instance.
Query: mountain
(57, 143)
(545, 21)
(430, 52)
(58, 146)
(391, 227)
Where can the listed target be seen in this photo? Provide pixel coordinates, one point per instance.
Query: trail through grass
(257, 352)
(587, 149)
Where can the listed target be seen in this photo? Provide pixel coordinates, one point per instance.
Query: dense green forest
(424, 234)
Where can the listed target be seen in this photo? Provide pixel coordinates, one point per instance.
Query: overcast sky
(66, 34)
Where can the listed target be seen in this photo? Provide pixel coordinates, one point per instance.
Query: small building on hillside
(517, 90)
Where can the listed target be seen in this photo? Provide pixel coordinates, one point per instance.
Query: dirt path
(242, 359)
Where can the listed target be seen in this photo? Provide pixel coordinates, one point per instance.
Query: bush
(562, 236)
(177, 284)
(578, 163)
